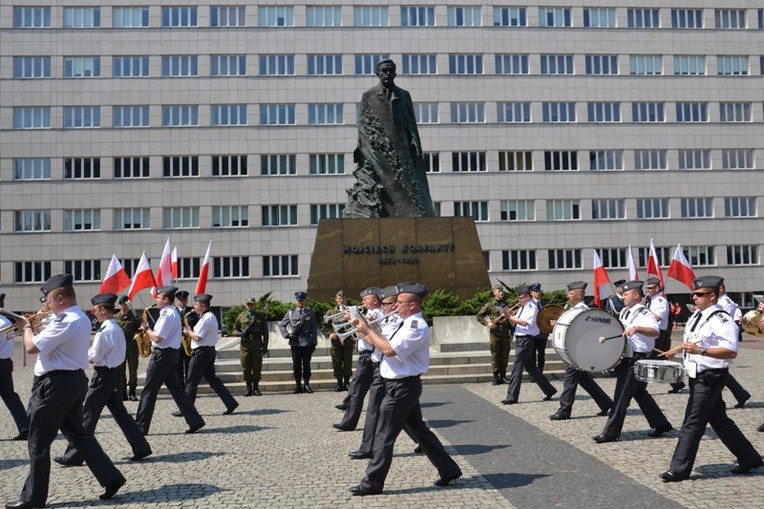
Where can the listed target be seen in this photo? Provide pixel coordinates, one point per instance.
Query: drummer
(574, 376)
(710, 343)
(640, 330)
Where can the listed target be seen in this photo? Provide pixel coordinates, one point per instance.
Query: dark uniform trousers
(663, 341)
(162, 370)
(538, 357)
(627, 387)
(499, 346)
(706, 406)
(203, 366)
(523, 351)
(251, 357)
(740, 394)
(10, 398)
(301, 356)
(56, 403)
(571, 380)
(182, 366)
(128, 370)
(104, 392)
(359, 386)
(399, 408)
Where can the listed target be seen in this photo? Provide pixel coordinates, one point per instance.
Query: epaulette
(60, 318)
(414, 324)
(722, 315)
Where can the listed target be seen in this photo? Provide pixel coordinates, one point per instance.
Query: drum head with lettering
(593, 340)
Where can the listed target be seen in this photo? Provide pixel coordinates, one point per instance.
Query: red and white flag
(633, 276)
(143, 277)
(201, 285)
(116, 278)
(164, 272)
(174, 263)
(680, 269)
(602, 287)
(653, 266)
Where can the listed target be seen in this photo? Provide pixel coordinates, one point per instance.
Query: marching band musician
(538, 357)
(710, 343)
(7, 392)
(573, 376)
(640, 330)
(165, 339)
(300, 328)
(57, 394)
(106, 355)
(499, 333)
(659, 307)
(252, 326)
(342, 349)
(187, 312)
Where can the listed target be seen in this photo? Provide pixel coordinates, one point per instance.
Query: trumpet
(142, 338)
(346, 329)
(185, 339)
(12, 330)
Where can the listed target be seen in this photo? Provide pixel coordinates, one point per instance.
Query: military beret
(577, 285)
(123, 299)
(57, 281)
(203, 297)
(631, 285)
(104, 298)
(339, 294)
(619, 282)
(169, 290)
(372, 290)
(417, 289)
(523, 290)
(653, 281)
(181, 294)
(300, 295)
(707, 282)
(388, 291)
(250, 300)
(536, 287)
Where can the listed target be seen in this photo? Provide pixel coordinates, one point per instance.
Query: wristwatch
(704, 351)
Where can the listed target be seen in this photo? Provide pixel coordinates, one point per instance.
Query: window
(83, 219)
(464, 17)
(663, 254)
(694, 159)
(181, 115)
(732, 65)
(130, 67)
(513, 112)
(132, 219)
(82, 117)
(230, 217)
(417, 16)
(230, 65)
(82, 168)
(734, 112)
(690, 65)
(613, 258)
(700, 256)
(130, 116)
(517, 210)
(518, 259)
(370, 16)
(608, 209)
(646, 65)
(686, 18)
(82, 17)
(131, 167)
(465, 64)
(467, 112)
(326, 164)
(556, 64)
(512, 64)
(510, 17)
(431, 162)
(740, 207)
(562, 210)
(179, 17)
(477, 210)
(761, 18)
(515, 161)
(604, 112)
(31, 117)
(743, 255)
(229, 166)
(175, 218)
(228, 114)
(650, 160)
(419, 64)
(560, 259)
(278, 164)
(601, 64)
(228, 16)
(730, 18)
(326, 114)
(276, 65)
(737, 159)
(31, 17)
(130, 17)
(558, 112)
(180, 166)
(324, 65)
(31, 221)
(31, 272)
(230, 267)
(554, 17)
(31, 67)
(31, 169)
(643, 18)
(691, 112)
(652, 208)
(279, 215)
(426, 113)
(647, 112)
(599, 17)
(468, 161)
(693, 208)
(325, 211)
(366, 64)
(605, 160)
(280, 265)
(324, 16)
(175, 66)
(277, 114)
(188, 268)
(560, 160)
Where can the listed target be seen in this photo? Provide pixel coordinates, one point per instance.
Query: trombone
(36, 320)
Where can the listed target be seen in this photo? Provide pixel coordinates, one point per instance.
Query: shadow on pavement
(181, 457)
(512, 480)
(434, 404)
(444, 423)
(474, 449)
(9, 464)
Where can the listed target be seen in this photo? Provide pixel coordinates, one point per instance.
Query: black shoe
(256, 392)
(111, 489)
(298, 389)
(503, 379)
(308, 389)
(444, 481)
(508, 401)
(669, 476)
(177, 413)
(603, 413)
(339, 387)
(196, 427)
(358, 455)
(362, 491)
(229, 410)
(21, 505)
(744, 470)
(602, 438)
(559, 415)
(133, 397)
(341, 406)
(741, 404)
(341, 427)
(675, 390)
(495, 379)
(64, 462)
(249, 390)
(760, 428)
(660, 430)
(141, 455)
(418, 449)
(23, 435)
(548, 397)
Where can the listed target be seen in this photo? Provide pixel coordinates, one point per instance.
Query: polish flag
(602, 287)
(174, 263)
(680, 269)
(116, 278)
(164, 272)
(653, 266)
(143, 277)
(633, 276)
(201, 285)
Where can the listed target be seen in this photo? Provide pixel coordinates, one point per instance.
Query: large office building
(562, 127)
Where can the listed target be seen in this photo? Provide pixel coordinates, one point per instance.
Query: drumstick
(677, 349)
(602, 339)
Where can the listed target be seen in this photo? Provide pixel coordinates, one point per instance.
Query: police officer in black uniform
(300, 328)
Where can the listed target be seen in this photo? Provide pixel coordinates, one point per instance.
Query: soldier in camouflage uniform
(500, 333)
(129, 324)
(342, 349)
(253, 329)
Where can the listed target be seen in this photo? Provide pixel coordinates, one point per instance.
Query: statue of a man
(390, 176)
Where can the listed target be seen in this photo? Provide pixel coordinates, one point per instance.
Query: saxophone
(142, 338)
(185, 339)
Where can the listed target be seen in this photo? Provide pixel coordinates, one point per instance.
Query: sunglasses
(701, 294)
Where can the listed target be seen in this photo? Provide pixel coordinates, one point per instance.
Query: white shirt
(371, 315)
(529, 312)
(639, 316)
(63, 343)
(108, 348)
(731, 307)
(660, 307)
(207, 328)
(388, 328)
(412, 350)
(6, 344)
(713, 329)
(168, 328)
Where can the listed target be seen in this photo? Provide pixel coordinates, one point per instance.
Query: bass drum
(589, 339)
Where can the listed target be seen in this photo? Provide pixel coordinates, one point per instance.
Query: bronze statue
(390, 175)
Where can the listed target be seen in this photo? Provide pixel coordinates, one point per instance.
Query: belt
(523, 336)
(60, 372)
(403, 379)
(102, 369)
(714, 370)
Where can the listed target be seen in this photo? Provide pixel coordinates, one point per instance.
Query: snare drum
(651, 370)
(577, 339)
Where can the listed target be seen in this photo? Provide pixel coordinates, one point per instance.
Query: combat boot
(249, 389)
(339, 387)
